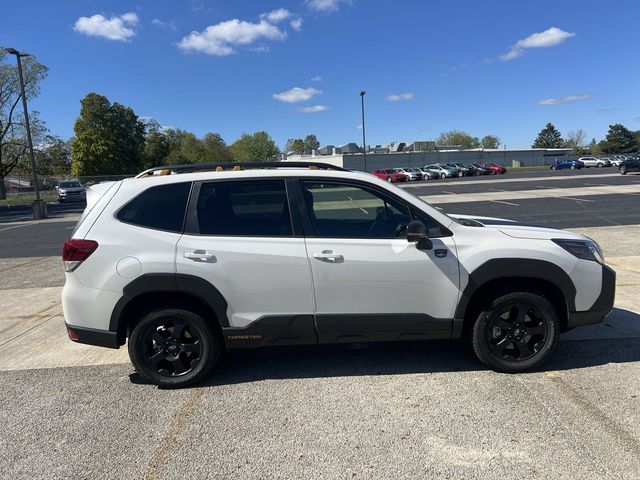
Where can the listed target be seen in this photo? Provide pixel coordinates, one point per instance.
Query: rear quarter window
(160, 208)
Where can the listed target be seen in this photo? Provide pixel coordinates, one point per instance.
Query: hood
(515, 229)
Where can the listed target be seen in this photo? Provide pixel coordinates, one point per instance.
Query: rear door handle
(201, 256)
(328, 256)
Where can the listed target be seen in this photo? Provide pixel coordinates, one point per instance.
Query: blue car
(572, 164)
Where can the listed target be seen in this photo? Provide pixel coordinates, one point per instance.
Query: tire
(443, 175)
(389, 180)
(623, 170)
(553, 167)
(573, 167)
(493, 172)
(460, 174)
(160, 353)
(600, 165)
(508, 345)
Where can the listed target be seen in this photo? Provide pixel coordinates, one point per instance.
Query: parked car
(617, 160)
(594, 162)
(493, 168)
(70, 191)
(167, 264)
(564, 164)
(429, 174)
(390, 175)
(466, 170)
(413, 174)
(480, 170)
(442, 171)
(630, 165)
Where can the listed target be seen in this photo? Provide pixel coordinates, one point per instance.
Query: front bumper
(602, 306)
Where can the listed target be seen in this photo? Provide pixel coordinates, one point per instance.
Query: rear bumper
(602, 306)
(92, 336)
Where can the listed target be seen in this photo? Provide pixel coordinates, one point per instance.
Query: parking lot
(414, 410)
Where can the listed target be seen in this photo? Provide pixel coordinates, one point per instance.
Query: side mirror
(417, 233)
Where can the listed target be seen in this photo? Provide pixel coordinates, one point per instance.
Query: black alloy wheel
(174, 347)
(516, 332)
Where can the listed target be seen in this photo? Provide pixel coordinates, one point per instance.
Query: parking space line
(450, 193)
(506, 203)
(577, 199)
(18, 226)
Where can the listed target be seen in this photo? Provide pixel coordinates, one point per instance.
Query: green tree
(156, 145)
(109, 139)
(52, 155)
(254, 148)
(311, 143)
(619, 139)
(490, 141)
(13, 142)
(594, 148)
(549, 137)
(458, 138)
(215, 148)
(295, 145)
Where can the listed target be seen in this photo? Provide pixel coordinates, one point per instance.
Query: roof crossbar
(234, 166)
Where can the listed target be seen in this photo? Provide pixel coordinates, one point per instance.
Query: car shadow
(399, 358)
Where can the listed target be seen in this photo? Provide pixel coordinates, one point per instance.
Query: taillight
(76, 251)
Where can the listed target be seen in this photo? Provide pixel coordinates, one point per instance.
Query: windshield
(69, 185)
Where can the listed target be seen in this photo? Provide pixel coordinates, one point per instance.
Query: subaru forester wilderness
(188, 261)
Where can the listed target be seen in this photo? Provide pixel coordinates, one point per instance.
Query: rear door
(369, 282)
(240, 237)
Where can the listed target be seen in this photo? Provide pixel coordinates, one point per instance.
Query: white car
(617, 161)
(595, 162)
(185, 262)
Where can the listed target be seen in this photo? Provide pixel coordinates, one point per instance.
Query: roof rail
(234, 166)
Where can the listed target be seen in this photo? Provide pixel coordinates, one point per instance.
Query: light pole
(364, 142)
(39, 209)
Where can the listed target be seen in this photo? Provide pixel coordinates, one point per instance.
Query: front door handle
(201, 256)
(328, 256)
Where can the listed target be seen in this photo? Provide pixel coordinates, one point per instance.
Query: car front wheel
(515, 332)
(174, 347)
(623, 170)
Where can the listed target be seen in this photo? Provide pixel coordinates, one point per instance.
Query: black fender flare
(170, 283)
(499, 268)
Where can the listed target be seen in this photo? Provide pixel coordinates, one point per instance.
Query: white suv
(595, 162)
(188, 261)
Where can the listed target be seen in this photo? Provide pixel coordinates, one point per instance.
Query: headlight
(583, 249)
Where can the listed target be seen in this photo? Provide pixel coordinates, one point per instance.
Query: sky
(297, 67)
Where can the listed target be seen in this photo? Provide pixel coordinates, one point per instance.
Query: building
(392, 156)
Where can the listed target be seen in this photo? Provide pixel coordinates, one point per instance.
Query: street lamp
(364, 142)
(39, 209)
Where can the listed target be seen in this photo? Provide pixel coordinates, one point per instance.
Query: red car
(493, 168)
(390, 175)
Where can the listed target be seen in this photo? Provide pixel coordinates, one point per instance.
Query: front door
(369, 282)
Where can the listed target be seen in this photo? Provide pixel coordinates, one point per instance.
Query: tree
(156, 145)
(13, 142)
(311, 143)
(594, 148)
(490, 141)
(52, 155)
(254, 148)
(549, 137)
(575, 140)
(458, 138)
(619, 139)
(109, 139)
(295, 145)
(216, 150)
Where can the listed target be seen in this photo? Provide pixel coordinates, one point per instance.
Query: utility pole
(39, 208)
(364, 141)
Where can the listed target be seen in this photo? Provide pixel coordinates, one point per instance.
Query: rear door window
(244, 208)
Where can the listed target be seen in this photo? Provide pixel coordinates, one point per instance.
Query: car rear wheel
(515, 332)
(573, 167)
(460, 174)
(623, 169)
(443, 175)
(174, 347)
(600, 165)
(493, 172)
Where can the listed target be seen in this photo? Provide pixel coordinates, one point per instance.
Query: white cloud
(324, 5)
(400, 97)
(156, 22)
(223, 38)
(296, 24)
(115, 28)
(297, 94)
(313, 109)
(276, 16)
(563, 100)
(317, 78)
(549, 38)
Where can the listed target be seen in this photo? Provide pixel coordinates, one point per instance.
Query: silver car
(71, 191)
